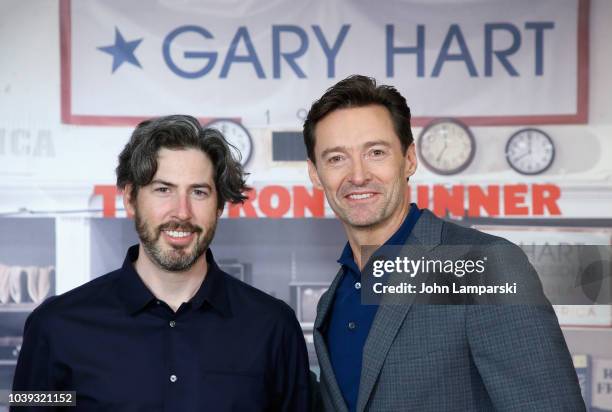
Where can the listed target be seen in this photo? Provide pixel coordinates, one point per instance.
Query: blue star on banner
(122, 51)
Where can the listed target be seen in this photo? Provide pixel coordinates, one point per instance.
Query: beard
(174, 259)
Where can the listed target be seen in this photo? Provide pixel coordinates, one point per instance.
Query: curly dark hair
(359, 91)
(138, 159)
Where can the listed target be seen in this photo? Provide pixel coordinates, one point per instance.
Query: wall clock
(446, 146)
(530, 151)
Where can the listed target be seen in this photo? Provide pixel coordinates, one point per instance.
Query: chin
(364, 221)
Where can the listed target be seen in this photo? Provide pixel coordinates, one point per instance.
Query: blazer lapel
(328, 378)
(389, 318)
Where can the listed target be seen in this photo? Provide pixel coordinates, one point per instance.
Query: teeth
(174, 233)
(362, 196)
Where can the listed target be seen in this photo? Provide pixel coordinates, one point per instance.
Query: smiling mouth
(360, 196)
(176, 234)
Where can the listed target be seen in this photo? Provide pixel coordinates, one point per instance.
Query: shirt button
(358, 285)
(158, 302)
(172, 323)
(173, 378)
(352, 325)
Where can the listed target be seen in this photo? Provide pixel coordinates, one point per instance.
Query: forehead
(355, 127)
(184, 166)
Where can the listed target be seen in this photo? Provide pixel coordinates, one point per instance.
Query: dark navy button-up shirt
(350, 321)
(231, 347)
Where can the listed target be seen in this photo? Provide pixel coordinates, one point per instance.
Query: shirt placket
(172, 376)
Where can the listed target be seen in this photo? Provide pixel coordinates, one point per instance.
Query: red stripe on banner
(511, 120)
(84, 120)
(66, 59)
(583, 61)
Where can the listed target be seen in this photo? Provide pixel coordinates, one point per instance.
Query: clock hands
(528, 152)
(442, 151)
(523, 155)
(445, 134)
(529, 141)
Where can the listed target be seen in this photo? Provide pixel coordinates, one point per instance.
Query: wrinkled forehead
(355, 128)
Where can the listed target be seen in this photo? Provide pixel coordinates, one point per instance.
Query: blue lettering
(464, 55)
(211, 56)
(419, 50)
(289, 57)
(502, 55)
(251, 56)
(331, 53)
(539, 28)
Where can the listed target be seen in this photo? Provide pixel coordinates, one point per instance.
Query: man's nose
(359, 173)
(182, 207)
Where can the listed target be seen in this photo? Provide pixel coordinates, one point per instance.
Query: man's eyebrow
(194, 185)
(376, 143)
(162, 182)
(201, 185)
(366, 145)
(333, 149)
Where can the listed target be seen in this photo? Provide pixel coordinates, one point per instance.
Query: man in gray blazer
(410, 356)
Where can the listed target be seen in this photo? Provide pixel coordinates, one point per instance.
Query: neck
(375, 235)
(174, 288)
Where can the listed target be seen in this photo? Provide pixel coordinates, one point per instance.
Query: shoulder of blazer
(430, 228)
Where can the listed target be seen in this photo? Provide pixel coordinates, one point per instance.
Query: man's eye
(200, 193)
(334, 159)
(162, 190)
(378, 152)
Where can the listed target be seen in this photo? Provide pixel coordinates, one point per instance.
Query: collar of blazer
(426, 235)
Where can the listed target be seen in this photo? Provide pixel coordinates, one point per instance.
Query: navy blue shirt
(350, 321)
(231, 347)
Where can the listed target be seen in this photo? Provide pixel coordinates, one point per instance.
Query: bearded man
(169, 330)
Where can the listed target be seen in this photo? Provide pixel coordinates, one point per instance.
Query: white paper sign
(486, 62)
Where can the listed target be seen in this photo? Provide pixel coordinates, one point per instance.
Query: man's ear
(411, 160)
(314, 175)
(130, 210)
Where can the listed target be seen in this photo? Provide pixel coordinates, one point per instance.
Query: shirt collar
(398, 238)
(135, 294)
(214, 289)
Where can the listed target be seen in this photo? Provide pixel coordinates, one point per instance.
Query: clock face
(530, 151)
(237, 136)
(446, 146)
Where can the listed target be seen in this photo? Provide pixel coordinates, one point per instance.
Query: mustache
(180, 226)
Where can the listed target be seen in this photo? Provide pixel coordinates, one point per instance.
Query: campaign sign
(485, 62)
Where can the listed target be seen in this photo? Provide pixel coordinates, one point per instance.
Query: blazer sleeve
(519, 349)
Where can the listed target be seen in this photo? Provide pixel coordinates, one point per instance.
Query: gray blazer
(458, 357)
